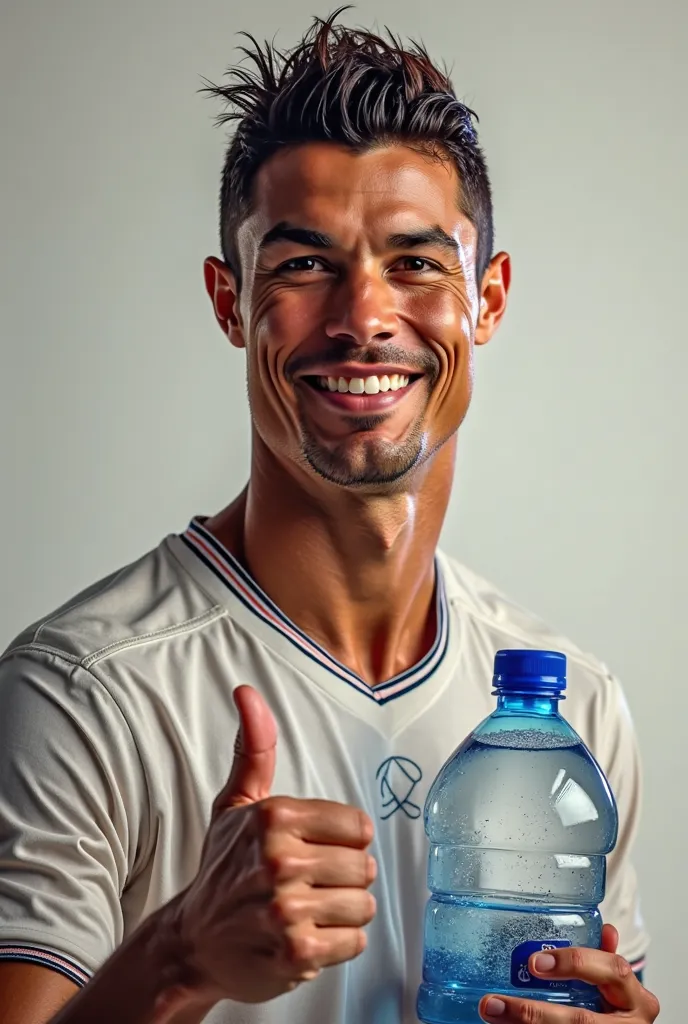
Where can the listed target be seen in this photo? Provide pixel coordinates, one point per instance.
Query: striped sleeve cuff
(45, 958)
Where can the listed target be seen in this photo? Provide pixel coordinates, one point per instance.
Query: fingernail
(495, 1007)
(545, 962)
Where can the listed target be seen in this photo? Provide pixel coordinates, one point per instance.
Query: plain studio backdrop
(123, 411)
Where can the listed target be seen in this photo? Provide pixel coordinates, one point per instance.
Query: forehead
(346, 193)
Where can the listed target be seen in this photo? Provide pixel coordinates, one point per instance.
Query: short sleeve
(616, 748)
(71, 806)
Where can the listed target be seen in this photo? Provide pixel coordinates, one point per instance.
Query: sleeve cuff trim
(45, 958)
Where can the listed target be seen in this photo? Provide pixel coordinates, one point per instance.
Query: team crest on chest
(397, 779)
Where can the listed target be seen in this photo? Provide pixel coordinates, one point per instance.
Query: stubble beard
(359, 462)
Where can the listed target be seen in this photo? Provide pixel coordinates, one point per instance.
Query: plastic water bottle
(520, 820)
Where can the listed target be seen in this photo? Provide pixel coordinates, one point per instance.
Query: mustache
(421, 361)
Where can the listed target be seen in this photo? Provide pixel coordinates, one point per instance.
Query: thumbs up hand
(282, 887)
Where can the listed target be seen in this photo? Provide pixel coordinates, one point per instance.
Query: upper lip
(351, 370)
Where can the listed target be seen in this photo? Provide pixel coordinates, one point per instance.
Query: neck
(354, 570)
(532, 704)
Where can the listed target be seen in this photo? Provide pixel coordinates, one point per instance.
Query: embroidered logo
(398, 778)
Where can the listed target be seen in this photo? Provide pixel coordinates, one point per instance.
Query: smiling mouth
(372, 385)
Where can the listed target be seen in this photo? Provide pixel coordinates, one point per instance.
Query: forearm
(143, 982)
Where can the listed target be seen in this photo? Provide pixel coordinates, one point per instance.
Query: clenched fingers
(307, 949)
(326, 908)
(288, 859)
(337, 866)
(317, 821)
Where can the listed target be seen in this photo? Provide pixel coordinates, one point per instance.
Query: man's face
(358, 310)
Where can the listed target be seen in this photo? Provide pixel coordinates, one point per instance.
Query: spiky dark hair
(350, 87)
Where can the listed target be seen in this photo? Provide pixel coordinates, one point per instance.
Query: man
(358, 276)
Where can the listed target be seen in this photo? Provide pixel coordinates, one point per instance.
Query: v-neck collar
(237, 585)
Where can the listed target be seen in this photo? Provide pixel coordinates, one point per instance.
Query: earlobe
(220, 283)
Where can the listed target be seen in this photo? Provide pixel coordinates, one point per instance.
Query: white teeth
(364, 386)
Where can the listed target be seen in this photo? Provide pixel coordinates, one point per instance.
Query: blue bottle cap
(529, 672)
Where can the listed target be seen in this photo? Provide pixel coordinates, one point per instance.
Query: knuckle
(582, 1017)
(530, 1012)
(577, 958)
(301, 949)
(282, 866)
(287, 909)
(276, 813)
(622, 968)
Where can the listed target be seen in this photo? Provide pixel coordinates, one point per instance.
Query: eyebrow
(286, 232)
(434, 236)
(309, 238)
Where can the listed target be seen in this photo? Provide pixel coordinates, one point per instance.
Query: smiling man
(147, 871)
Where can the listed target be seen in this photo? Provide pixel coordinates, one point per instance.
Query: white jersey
(117, 727)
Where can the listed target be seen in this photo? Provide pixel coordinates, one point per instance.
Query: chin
(368, 466)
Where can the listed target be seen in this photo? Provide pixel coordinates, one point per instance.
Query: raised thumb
(255, 751)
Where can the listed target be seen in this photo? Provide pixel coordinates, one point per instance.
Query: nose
(363, 309)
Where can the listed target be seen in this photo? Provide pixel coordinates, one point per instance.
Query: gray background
(123, 411)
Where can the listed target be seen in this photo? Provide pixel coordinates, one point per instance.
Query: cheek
(443, 313)
(453, 343)
(290, 313)
(445, 323)
(280, 325)
(272, 404)
(459, 382)
(266, 360)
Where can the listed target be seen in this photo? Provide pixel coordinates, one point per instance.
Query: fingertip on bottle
(493, 1008)
(542, 963)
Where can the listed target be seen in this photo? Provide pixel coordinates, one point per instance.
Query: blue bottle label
(521, 976)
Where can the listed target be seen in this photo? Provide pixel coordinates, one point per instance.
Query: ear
(221, 285)
(493, 295)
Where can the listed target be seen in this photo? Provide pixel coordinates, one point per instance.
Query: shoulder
(492, 621)
(107, 671)
(149, 600)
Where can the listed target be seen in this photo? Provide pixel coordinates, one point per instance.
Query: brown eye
(416, 265)
(301, 263)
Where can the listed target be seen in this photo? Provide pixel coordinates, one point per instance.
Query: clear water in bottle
(520, 820)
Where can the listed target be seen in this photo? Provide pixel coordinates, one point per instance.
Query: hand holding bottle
(622, 993)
